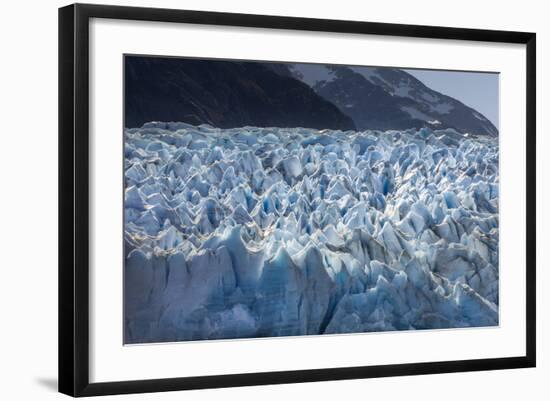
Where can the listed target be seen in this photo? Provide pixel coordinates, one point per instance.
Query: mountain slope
(224, 94)
(390, 98)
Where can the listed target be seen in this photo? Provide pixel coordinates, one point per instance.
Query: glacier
(262, 232)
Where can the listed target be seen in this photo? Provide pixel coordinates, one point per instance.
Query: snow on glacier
(257, 232)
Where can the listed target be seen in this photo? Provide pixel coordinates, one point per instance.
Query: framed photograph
(250, 199)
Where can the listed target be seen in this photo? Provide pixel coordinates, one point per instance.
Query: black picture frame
(74, 199)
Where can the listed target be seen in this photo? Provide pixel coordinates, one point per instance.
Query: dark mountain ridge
(224, 94)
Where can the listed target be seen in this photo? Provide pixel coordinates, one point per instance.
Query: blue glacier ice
(259, 232)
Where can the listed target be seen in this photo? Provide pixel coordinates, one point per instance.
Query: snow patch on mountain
(404, 85)
(312, 74)
(414, 113)
(445, 108)
(255, 232)
(372, 75)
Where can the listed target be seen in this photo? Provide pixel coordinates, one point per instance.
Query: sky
(479, 90)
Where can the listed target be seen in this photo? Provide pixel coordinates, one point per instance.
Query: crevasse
(255, 232)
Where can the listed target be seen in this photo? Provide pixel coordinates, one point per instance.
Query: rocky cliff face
(223, 94)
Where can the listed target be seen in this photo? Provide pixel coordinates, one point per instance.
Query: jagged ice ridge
(255, 232)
